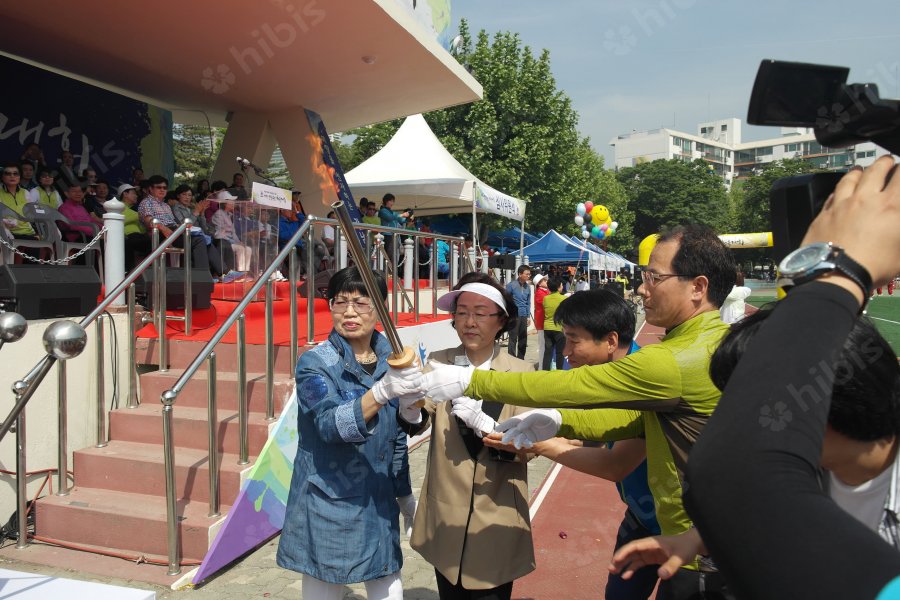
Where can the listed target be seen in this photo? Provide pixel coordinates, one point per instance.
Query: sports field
(883, 310)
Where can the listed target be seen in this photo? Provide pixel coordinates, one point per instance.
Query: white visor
(447, 301)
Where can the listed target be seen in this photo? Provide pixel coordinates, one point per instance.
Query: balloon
(579, 220)
(587, 217)
(610, 232)
(602, 235)
(585, 234)
(580, 209)
(614, 225)
(600, 214)
(604, 227)
(588, 206)
(595, 231)
(584, 227)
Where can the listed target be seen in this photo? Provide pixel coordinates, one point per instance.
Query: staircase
(118, 502)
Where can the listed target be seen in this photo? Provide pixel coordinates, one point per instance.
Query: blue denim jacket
(342, 520)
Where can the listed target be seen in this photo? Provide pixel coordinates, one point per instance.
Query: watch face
(803, 259)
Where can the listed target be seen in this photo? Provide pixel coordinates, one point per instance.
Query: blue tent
(509, 238)
(554, 247)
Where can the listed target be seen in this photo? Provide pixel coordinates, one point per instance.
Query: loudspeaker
(201, 288)
(47, 292)
(502, 261)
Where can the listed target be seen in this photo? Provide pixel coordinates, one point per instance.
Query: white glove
(410, 411)
(399, 383)
(532, 426)
(408, 506)
(446, 383)
(469, 412)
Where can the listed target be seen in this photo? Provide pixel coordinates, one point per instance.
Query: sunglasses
(161, 186)
(11, 173)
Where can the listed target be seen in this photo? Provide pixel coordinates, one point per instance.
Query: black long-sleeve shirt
(752, 490)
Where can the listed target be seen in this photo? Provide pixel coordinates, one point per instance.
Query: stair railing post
(102, 438)
(292, 297)
(21, 483)
(174, 547)
(213, 428)
(62, 481)
(270, 352)
(188, 285)
(244, 457)
(310, 289)
(132, 400)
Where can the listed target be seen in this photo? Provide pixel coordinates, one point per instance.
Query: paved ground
(257, 576)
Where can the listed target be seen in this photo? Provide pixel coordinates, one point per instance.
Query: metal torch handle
(401, 357)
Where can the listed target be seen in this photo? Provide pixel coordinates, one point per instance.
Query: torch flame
(323, 172)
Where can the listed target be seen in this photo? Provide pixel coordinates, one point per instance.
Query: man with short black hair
(154, 207)
(521, 293)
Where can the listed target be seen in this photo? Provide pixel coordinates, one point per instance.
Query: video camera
(790, 94)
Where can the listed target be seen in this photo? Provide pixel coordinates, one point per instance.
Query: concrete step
(183, 352)
(139, 469)
(194, 393)
(130, 522)
(144, 425)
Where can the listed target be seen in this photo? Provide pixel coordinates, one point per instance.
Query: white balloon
(614, 224)
(579, 220)
(585, 234)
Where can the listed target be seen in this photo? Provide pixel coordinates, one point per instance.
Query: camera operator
(752, 487)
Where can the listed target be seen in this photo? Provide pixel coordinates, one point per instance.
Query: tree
(195, 148)
(521, 138)
(665, 193)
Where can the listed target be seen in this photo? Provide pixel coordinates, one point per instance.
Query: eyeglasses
(160, 186)
(652, 279)
(11, 173)
(477, 317)
(362, 307)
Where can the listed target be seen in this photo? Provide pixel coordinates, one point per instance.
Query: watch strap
(854, 271)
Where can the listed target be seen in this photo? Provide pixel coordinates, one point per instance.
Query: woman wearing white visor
(472, 519)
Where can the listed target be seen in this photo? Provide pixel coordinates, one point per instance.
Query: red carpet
(207, 321)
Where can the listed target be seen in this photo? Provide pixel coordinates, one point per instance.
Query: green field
(883, 310)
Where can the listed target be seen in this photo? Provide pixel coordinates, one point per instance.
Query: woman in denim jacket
(351, 474)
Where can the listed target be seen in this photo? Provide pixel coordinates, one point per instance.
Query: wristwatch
(814, 260)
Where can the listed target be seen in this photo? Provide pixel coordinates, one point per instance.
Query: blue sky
(641, 64)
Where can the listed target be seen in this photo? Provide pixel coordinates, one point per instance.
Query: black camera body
(790, 94)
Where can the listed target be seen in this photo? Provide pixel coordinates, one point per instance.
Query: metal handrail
(26, 386)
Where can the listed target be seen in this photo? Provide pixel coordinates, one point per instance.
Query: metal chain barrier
(60, 261)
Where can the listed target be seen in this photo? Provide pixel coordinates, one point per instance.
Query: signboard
(493, 201)
(269, 195)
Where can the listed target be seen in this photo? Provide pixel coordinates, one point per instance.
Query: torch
(401, 357)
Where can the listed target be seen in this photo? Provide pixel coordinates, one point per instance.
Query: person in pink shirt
(73, 208)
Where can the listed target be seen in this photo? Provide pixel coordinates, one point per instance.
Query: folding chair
(45, 220)
(7, 254)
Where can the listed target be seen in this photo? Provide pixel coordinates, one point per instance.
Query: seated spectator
(237, 187)
(137, 177)
(137, 242)
(34, 156)
(45, 193)
(73, 208)
(99, 197)
(154, 207)
(185, 209)
(202, 190)
(233, 249)
(26, 169)
(328, 233)
(214, 189)
(66, 173)
(15, 198)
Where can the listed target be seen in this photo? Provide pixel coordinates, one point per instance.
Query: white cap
(447, 301)
(124, 188)
(225, 195)
(537, 279)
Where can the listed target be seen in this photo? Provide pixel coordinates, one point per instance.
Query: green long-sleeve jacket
(664, 389)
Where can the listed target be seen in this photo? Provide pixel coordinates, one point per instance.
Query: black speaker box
(49, 291)
(201, 288)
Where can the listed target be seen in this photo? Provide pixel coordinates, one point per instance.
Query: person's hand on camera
(468, 410)
(399, 383)
(531, 426)
(861, 216)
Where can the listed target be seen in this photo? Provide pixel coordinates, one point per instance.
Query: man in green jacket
(662, 391)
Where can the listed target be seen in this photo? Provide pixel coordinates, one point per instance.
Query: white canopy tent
(418, 170)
